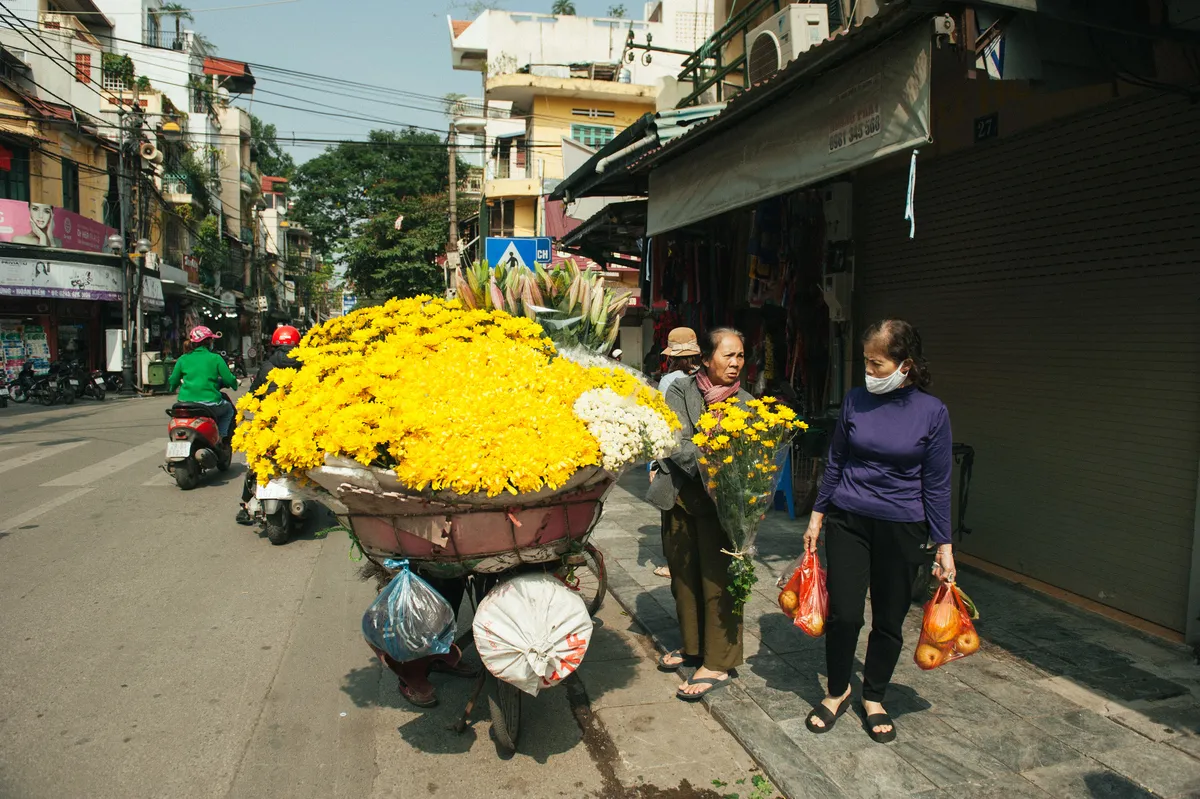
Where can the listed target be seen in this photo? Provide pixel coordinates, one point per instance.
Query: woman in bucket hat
(683, 359)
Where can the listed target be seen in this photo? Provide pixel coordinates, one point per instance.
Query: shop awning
(612, 235)
(210, 298)
(235, 75)
(875, 104)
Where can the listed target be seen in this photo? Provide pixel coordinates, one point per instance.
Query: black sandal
(880, 720)
(685, 661)
(826, 716)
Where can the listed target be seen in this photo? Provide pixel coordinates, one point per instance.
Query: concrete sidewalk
(1057, 703)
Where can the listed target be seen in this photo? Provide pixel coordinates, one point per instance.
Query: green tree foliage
(210, 249)
(563, 7)
(273, 160)
(617, 11)
(351, 195)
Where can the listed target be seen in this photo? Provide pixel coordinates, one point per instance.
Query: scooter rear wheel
(48, 397)
(20, 394)
(187, 474)
(279, 527)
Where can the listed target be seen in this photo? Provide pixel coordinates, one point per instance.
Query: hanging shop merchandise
(757, 269)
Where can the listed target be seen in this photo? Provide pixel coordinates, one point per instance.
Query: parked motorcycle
(19, 389)
(113, 381)
(3, 395)
(66, 386)
(90, 382)
(280, 509)
(194, 444)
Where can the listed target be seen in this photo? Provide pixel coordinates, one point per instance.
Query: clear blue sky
(401, 44)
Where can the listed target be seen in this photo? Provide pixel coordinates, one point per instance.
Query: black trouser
(884, 556)
(249, 485)
(454, 589)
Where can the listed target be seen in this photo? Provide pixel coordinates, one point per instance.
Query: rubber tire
(48, 397)
(593, 562)
(3, 402)
(99, 394)
(187, 474)
(279, 527)
(68, 395)
(19, 394)
(504, 701)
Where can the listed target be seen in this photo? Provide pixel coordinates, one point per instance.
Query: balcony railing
(708, 67)
(178, 188)
(68, 26)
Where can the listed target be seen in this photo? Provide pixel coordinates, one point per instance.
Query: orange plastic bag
(805, 598)
(947, 630)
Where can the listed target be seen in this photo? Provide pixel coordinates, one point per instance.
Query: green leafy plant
(143, 84)
(118, 66)
(617, 11)
(563, 8)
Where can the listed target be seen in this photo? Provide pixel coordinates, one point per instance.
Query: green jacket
(203, 374)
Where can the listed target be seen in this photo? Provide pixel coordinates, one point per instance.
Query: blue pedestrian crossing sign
(513, 252)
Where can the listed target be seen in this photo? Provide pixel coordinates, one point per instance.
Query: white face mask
(886, 385)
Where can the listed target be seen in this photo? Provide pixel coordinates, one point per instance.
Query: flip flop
(826, 716)
(662, 571)
(685, 660)
(416, 697)
(879, 720)
(713, 683)
(452, 664)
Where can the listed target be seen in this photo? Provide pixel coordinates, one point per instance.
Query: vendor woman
(693, 539)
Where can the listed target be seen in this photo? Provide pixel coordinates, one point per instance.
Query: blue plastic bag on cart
(409, 619)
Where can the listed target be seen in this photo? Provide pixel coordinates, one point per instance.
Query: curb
(792, 772)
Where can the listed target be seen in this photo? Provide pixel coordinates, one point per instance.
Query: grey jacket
(686, 399)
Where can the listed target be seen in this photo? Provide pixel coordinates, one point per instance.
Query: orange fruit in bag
(815, 625)
(967, 642)
(929, 656)
(942, 622)
(789, 602)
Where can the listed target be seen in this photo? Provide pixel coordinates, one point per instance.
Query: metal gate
(1055, 277)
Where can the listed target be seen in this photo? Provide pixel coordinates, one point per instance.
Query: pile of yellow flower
(451, 399)
(742, 445)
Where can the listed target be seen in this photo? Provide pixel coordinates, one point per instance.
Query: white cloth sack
(532, 631)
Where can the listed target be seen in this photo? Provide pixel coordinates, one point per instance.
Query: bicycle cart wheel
(584, 573)
(504, 701)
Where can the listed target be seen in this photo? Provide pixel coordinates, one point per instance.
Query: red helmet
(285, 336)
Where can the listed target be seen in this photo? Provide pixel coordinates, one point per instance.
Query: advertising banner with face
(44, 225)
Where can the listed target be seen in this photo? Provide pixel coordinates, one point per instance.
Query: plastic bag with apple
(947, 629)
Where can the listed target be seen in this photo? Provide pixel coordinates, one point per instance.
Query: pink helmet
(200, 333)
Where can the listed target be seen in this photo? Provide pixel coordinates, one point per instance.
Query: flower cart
(453, 439)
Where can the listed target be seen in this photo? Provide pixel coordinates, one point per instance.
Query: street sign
(348, 302)
(518, 251)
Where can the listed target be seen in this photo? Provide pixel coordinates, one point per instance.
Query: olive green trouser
(692, 543)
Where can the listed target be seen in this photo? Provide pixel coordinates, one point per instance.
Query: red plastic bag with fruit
(805, 597)
(947, 630)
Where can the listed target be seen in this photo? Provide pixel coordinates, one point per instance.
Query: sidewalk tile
(1163, 721)
(1088, 732)
(1009, 786)
(874, 773)
(1023, 747)
(795, 773)
(1168, 772)
(948, 760)
(624, 683)
(1085, 779)
(1028, 699)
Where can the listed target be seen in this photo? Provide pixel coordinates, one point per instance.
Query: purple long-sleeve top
(890, 458)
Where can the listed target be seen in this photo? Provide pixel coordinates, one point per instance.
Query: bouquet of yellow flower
(742, 447)
(448, 399)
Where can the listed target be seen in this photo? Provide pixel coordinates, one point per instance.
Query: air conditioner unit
(177, 187)
(778, 41)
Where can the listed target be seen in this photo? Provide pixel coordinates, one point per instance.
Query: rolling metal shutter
(1055, 278)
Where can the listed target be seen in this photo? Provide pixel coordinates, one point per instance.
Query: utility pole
(452, 243)
(487, 153)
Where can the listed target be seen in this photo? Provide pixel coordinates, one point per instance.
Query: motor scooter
(280, 509)
(194, 443)
(90, 381)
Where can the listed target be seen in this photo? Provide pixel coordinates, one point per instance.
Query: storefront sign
(152, 293)
(191, 265)
(871, 107)
(43, 225)
(26, 277)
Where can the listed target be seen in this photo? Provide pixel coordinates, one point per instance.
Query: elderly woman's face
(725, 365)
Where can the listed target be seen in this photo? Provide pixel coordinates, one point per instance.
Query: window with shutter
(83, 67)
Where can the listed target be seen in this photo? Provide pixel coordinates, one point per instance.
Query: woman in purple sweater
(886, 491)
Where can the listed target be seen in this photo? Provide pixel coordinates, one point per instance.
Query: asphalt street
(151, 647)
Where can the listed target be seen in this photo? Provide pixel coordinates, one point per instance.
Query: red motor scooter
(194, 444)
